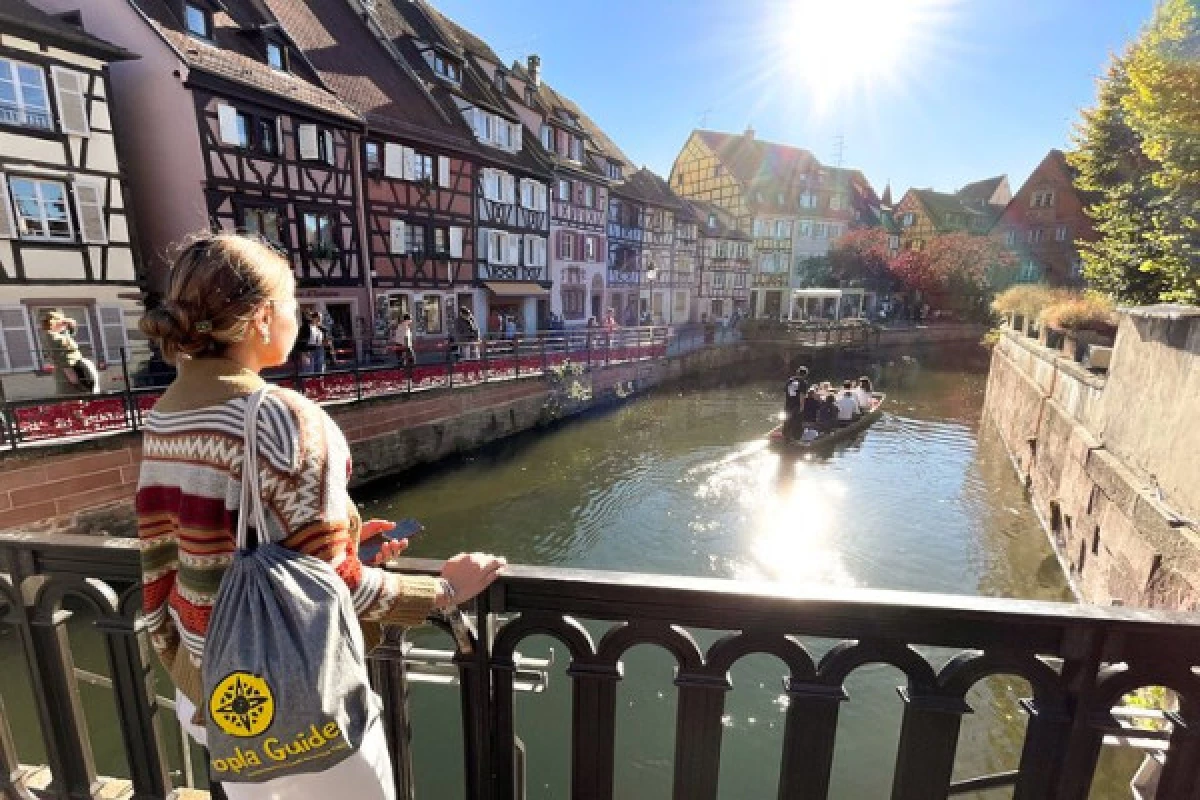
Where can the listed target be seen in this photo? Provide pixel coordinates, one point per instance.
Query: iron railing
(1079, 661)
(362, 368)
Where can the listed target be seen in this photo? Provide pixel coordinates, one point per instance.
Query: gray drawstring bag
(284, 672)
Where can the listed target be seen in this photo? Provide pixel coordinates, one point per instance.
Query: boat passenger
(811, 404)
(827, 414)
(847, 405)
(793, 403)
(865, 397)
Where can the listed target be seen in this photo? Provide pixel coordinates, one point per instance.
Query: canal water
(679, 482)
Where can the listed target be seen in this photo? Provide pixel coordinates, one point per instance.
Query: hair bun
(172, 328)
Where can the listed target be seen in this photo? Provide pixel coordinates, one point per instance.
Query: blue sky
(947, 92)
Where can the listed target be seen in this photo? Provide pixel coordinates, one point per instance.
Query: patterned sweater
(188, 497)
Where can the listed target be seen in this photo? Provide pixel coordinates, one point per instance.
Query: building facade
(65, 235)
(417, 168)
(512, 178)
(626, 238)
(1043, 225)
(974, 209)
(234, 131)
(723, 258)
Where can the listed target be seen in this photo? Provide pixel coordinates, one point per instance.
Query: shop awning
(516, 289)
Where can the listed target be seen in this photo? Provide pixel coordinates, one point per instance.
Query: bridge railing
(358, 369)
(1079, 661)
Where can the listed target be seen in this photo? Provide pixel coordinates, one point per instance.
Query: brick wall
(39, 487)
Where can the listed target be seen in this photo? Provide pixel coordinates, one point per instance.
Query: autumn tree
(862, 256)
(954, 263)
(1137, 156)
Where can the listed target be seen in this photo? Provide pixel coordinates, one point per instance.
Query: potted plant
(1021, 305)
(1081, 319)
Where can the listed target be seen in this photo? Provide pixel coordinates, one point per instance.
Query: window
(807, 200)
(566, 245)
(564, 190)
(712, 220)
(441, 241)
(1029, 272)
(589, 195)
(1035, 235)
(446, 68)
(805, 229)
(23, 96)
(576, 152)
(1060, 233)
(916, 245)
(373, 158)
(836, 202)
(319, 240)
(614, 171)
(1010, 238)
(267, 136)
(548, 138)
(423, 169)
(1042, 199)
(500, 80)
(243, 126)
(535, 251)
(41, 209)
(893, 242)
(429, 313)
(197, 21)
(316, 144)
(497, 244)
(716, 170)
(16, 340)
(276, 57)
(83, 327)
(589, 248)
(264, 221)
(819, 230)
(783, 229)
(415, 241)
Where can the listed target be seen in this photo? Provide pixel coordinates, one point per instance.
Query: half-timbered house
(723, 262)
(626, 238)
(924, 213)
(579, 192)
(512, 179)
(234, 131)
(417, 167)
(659, 207)
(64, 233)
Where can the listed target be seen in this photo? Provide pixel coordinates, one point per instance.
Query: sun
(837, 49)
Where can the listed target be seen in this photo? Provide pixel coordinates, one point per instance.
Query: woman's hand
(469, 574)
(390, 550)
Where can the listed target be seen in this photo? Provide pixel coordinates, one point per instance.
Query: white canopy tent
(827, 304)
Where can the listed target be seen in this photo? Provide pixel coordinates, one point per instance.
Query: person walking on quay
(467, 334)
(223, 448)
(311, 343)
(73, 374)
(402, 341)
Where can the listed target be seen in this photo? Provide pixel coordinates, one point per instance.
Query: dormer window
(446, 68)
(548, 138)
(712, 221)
(197, 20)
(276, 57)
(500, 80)
(530, 95)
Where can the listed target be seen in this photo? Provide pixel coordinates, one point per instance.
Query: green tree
(1136, 157)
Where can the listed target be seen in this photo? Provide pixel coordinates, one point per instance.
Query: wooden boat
(776, 440)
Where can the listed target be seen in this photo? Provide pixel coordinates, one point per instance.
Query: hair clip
(204, 326)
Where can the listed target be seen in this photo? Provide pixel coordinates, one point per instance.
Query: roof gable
(17, 16)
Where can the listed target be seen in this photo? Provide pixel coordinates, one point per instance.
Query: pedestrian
(847, 404)
(230, 312)
(402, 342)
(793, 403)
(73, 373)
(467, 334)
(827, 414)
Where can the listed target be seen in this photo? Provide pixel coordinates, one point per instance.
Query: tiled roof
(647, 187)
(939, 204)
(980, 191)
(17, 16)
(363, 73)
(234, 56)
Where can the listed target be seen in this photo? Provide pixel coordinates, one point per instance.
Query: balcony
(1078, 661)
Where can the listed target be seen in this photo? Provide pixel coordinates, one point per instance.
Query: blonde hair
(217, 283)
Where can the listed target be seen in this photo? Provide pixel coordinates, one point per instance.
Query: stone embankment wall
(1112, 463)
(88, 487)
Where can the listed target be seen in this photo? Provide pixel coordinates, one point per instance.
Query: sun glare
(841, 48)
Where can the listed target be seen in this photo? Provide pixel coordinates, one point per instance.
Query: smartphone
(369, 551)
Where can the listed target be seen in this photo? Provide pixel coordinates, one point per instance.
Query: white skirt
(366, 775)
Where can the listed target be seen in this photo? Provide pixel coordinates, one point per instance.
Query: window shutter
(69, 89)
(16, 339)
(517, 132)
(227, 118)
(444, 172)
(410, 164)
(8, 221)
(456, 242)
(512, 244)
(541, 196)
(113, 334)
(308, 142)
(330, 148)
(279, 145)
(510, 189)
(393, 160)
(399, 237)
(89, 204)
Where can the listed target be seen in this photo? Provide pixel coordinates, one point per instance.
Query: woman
(402, 340)
(73, 374)
(231, 312)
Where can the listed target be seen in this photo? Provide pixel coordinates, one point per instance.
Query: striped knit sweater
(188, 497)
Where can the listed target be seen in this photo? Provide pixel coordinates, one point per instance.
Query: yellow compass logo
(242, 705)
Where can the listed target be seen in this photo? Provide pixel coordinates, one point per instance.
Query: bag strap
(251, 489)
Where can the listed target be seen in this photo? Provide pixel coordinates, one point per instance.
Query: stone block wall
(1118, 540)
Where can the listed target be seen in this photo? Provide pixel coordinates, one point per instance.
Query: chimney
(749, 134)
(535, 70)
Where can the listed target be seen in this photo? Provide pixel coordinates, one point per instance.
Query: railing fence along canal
(1078, 660)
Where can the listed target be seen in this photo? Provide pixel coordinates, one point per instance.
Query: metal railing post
(130, 403)
(544, 364)
(483, 356)
(358, 389)
(516, 357)
(389, 677)
(449, 364)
